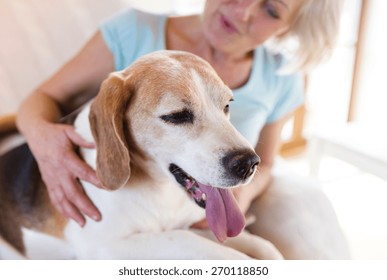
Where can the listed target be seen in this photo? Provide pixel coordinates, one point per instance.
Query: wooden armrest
(8, 124)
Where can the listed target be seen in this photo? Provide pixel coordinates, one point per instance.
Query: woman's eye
(271, 10)
(182, 117)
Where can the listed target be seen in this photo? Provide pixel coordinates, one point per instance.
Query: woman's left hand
(243, 197)
(200, 225)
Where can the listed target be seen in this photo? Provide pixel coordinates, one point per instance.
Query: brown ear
(107, 121)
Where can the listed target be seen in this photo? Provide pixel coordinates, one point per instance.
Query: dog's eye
(182, 117)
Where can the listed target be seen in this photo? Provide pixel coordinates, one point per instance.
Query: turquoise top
(266, 97)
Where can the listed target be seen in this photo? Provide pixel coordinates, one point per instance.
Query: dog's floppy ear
(107, 121)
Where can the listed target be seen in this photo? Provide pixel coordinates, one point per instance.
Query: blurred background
(337, 137)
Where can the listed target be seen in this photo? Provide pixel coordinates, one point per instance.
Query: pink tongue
(224, 217)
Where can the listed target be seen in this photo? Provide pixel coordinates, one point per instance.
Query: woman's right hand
(61, 169)
(53, 145)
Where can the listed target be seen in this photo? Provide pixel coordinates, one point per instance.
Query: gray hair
(314, 29)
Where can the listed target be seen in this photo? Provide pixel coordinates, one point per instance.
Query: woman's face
(242, 25)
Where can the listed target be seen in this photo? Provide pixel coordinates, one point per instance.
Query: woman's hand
(53, 144)
(243, 197)
(200, 225)
(61, 169)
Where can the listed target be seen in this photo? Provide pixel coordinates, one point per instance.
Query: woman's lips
(227, 25)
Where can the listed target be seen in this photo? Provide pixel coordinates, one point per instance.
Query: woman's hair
(314, 30)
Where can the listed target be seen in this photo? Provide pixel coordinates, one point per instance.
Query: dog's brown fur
(25, 200)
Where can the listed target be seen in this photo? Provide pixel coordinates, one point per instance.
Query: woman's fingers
(72, 188)
(77, 139)
(200, 225)
(71, 201)
(75, 165)
(61, 170)
(75, 193)
(63, 205)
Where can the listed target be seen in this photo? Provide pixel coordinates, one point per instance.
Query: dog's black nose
(241, 164)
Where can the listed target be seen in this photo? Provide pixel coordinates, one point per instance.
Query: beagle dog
(168, 157)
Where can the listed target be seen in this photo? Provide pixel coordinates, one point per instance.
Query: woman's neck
(186, 34)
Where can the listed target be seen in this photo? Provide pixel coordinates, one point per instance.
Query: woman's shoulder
(266, 71)
(132, 33)
(272, 60)
(133, 18)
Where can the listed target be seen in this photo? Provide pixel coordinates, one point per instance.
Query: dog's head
(172, 108)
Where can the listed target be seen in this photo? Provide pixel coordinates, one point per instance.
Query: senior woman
(229, 34)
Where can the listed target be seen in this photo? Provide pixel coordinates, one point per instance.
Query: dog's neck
(82, 124)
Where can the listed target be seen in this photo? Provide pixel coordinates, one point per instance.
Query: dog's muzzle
(224, 217)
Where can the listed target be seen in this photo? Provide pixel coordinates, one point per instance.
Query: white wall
(39, 36)
(329, 85)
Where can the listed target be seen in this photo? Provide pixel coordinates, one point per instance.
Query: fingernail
(96, 218)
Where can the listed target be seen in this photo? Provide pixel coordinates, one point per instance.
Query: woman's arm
(53, 144)
(267, 148)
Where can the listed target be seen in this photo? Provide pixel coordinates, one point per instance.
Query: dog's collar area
(190, 185)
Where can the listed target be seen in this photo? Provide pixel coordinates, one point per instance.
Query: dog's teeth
(204, 196)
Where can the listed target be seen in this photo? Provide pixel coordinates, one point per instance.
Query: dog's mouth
(224, 217)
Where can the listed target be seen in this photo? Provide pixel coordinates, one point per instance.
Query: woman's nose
(244, 9)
